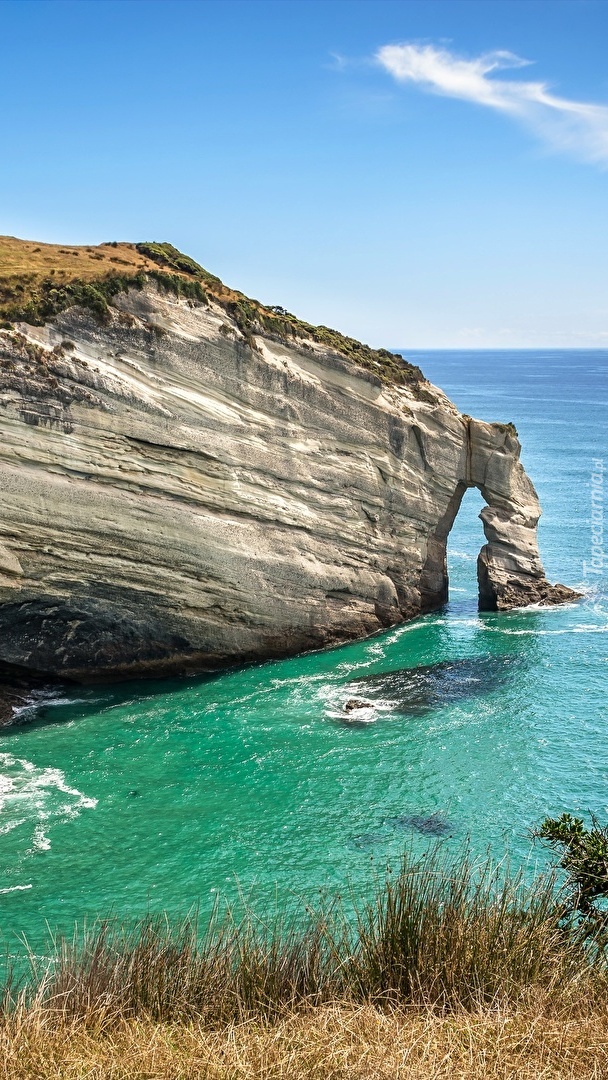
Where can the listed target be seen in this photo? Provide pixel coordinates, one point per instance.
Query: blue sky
(392, 169)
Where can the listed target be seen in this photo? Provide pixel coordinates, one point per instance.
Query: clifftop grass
(38, 281)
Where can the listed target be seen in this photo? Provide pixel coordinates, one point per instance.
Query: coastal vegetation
(453, 968)
(38, 281)
(583, 856)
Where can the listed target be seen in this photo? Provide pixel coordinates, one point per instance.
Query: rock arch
(509, 568)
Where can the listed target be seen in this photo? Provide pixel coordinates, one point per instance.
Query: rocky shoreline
(13, 697)
(20, 688)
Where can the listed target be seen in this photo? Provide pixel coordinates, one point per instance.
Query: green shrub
(168, 256)
(49, 298)
(583, 855)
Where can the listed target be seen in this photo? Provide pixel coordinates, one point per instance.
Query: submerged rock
(191, 480)
(416, 691)
(367, 840)
(433, 825)
(429, 824)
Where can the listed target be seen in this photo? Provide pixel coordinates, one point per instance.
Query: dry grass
(68, 263)
(26, 264)
(37, 281)
(327, 1043)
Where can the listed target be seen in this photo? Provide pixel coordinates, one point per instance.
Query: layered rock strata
(178, 495)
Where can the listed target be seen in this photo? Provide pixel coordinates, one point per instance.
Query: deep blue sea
(163, 795)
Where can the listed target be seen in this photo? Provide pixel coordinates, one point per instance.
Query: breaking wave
(36, 797)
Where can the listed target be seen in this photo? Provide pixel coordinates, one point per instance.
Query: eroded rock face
(174, 500)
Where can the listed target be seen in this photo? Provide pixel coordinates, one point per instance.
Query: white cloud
(576, 127)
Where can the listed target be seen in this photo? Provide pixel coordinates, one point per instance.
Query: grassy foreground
(330, 1043)
(452, 970)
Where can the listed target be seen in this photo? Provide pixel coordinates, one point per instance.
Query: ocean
(167, 795)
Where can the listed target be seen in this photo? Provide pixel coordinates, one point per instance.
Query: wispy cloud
(575, 127)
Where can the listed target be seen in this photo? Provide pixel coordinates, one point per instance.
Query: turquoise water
(161, 795)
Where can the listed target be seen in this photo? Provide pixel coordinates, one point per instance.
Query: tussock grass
(442, 934)
(451, 969)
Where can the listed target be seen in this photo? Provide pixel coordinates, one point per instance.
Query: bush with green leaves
(584, 857)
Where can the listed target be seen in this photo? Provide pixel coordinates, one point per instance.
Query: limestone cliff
(184, 488)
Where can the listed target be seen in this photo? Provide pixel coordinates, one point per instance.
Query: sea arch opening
(463, 543)
(451, 570)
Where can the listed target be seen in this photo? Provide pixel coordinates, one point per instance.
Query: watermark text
(598, 557)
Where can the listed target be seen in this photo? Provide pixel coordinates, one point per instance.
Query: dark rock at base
(499, 592)
(17, 686)
(543, 594)
(356, 703)
(11, 698)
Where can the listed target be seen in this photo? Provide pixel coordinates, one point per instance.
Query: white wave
(587, 588)
(10, 825)
(361, 716)
(548, 609)
(40, 841)
(16, 888)
(397, 632)
(336, 697)
(36, 797)
(47, 698)
(347, 669)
